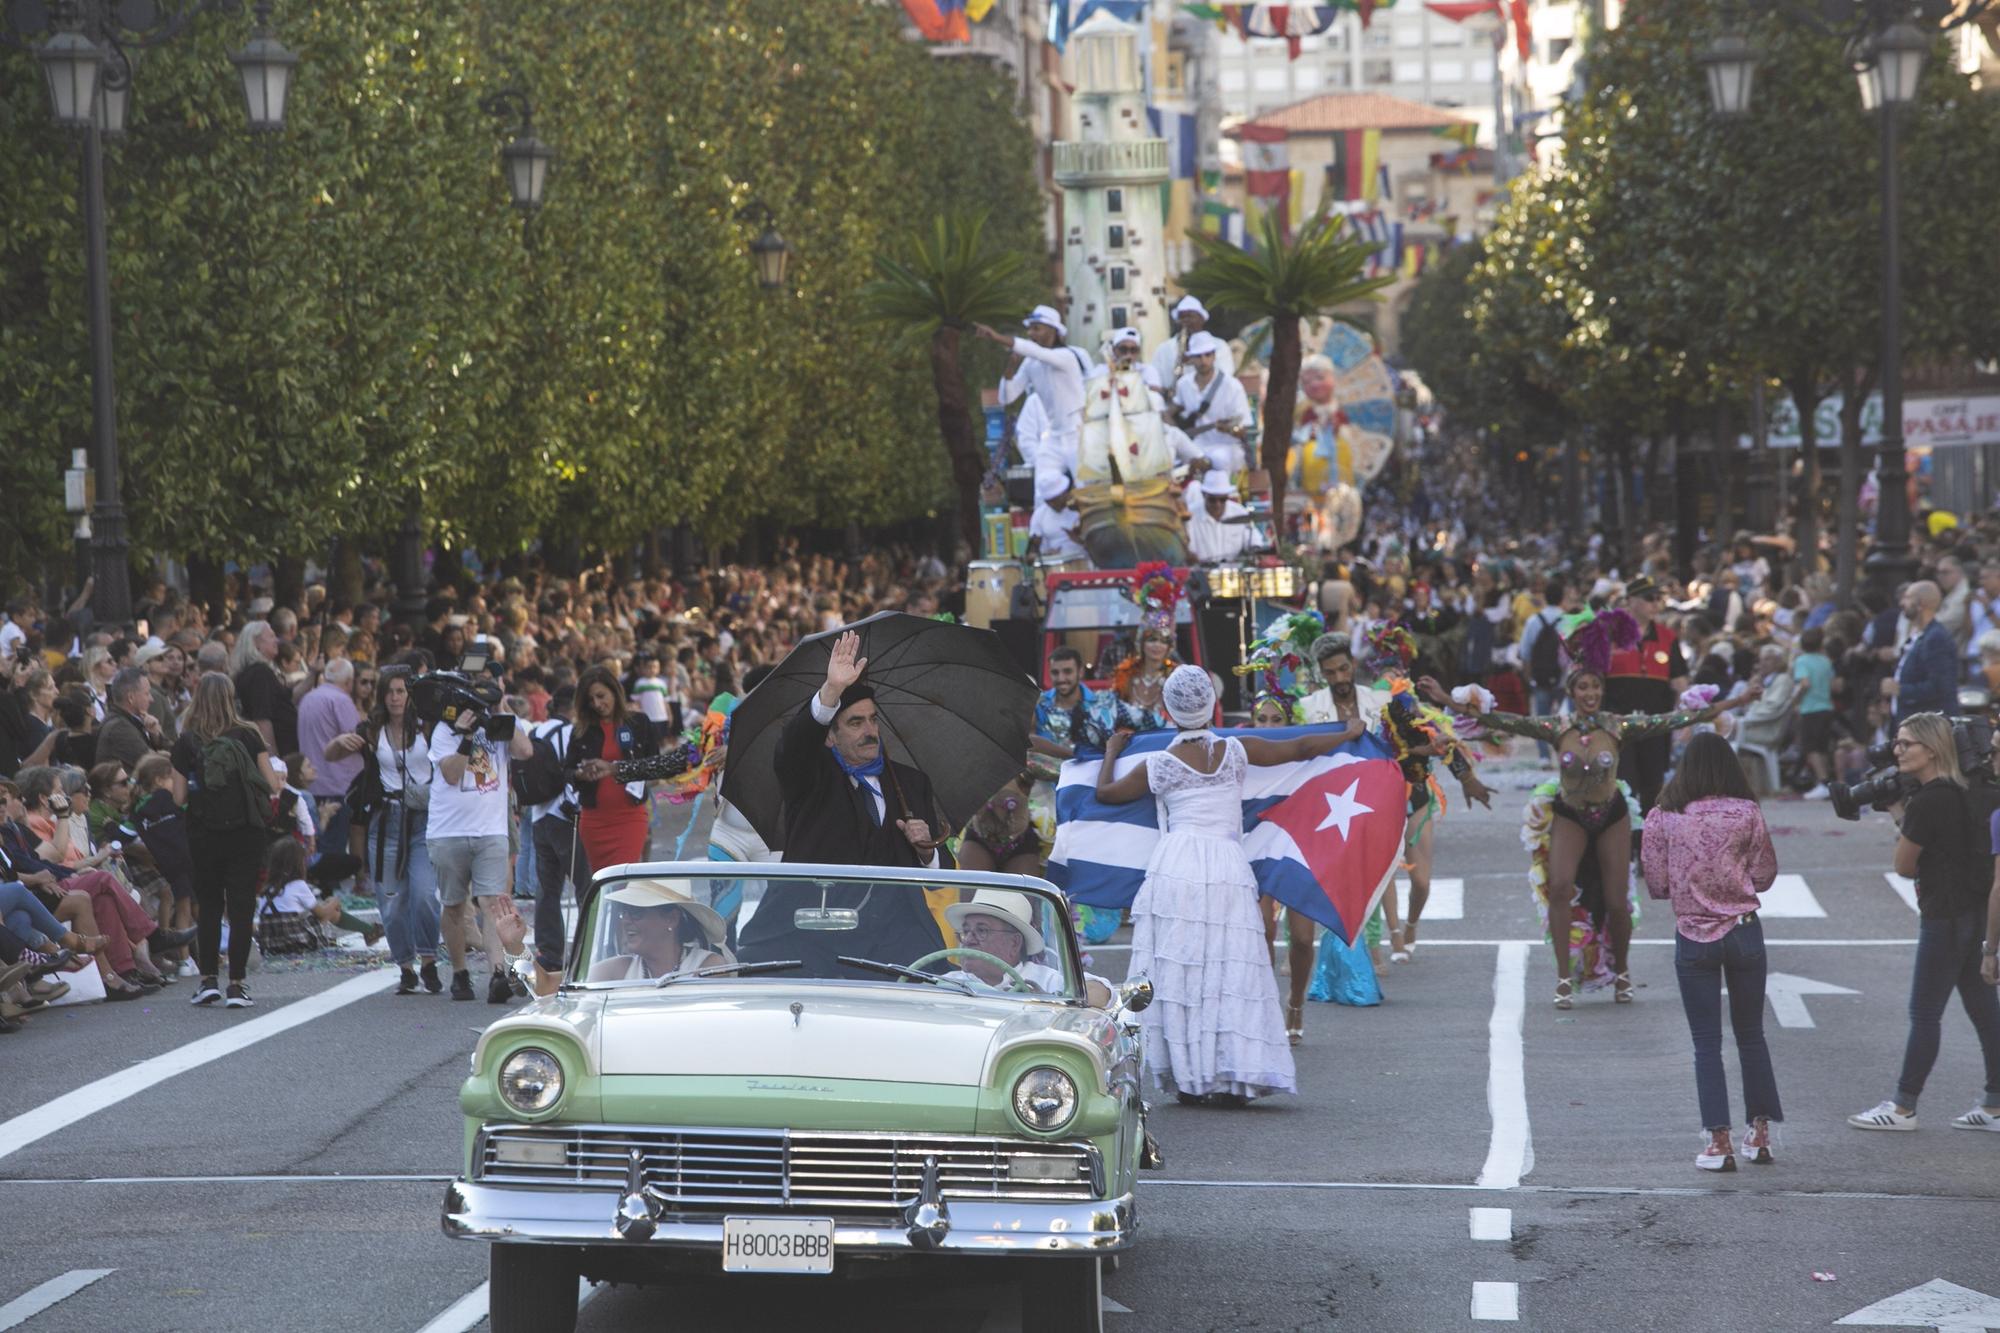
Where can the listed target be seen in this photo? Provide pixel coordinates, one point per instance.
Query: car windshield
(961, 936)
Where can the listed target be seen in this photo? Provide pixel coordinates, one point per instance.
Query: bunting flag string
(1291, 22)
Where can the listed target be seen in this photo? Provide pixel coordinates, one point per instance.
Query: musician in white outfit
(1170, 358)
(1218, 524)
(1211, 407)
(1053, 371)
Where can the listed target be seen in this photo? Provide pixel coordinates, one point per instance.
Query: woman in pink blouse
(1707, 849)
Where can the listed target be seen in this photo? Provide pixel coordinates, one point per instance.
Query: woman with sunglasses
(1939, 846)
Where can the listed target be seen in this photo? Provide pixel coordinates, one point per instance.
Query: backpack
(1544, 656)
(229, 791)
(539, 778)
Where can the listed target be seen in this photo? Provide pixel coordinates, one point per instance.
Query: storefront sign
(1926, 421)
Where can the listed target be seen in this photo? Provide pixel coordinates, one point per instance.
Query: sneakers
(497, 989)
(1819, 793)
(237, 997)
(409, 984)
(188, 968)
(461, 985)
(1757, 1143)
(1715, 1154)
(1978, 1118)
(205, 992)
(1885, 1116)
(429, 973)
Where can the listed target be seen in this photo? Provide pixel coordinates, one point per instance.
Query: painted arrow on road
(1938, 1304)
(1787, 995)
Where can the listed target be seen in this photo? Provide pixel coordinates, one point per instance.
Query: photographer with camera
(1944, 849)
(472, 745)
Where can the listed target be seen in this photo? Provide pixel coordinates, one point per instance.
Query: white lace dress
(1215, 1024)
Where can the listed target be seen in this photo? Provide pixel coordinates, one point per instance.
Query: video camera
(1885, 784)
(464, 699)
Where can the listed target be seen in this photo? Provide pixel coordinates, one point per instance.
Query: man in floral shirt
(1071, 715)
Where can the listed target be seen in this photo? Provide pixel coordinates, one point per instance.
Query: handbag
(416, 795)
(365, 797)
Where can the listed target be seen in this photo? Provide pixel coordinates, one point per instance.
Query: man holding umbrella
(846, 803)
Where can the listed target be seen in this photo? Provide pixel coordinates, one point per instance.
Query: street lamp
(1890, 54)
(525, 161)
(89, 74)
(769, 251)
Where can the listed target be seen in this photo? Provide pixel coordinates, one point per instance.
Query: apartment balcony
(1132, 162)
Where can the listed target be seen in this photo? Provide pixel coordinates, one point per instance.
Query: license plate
(777, 1245)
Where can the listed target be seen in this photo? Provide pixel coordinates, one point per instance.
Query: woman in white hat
(661, 930)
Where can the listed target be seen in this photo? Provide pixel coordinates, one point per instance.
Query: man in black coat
(847, 804)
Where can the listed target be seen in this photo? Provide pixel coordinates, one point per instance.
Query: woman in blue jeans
(392, 743)
(1708, 850)
(1941, 849)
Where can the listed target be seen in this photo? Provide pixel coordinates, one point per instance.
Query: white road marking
(469, 1311)
(1936, 1304)
(66, 1110)
(1109, 1306)
(1493, 1224)
(1446, 903)
(1787, 995)
(1499, 1301)
(1905, 887)
(1789, 896)
(1536, 944)
(29, 1304)
(1511, 1152)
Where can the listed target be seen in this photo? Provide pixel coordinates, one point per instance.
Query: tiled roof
(1334, 113)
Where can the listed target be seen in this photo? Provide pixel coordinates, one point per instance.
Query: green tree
(1284, 279)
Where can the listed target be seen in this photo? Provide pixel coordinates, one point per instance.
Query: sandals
(1621, 988)
(1295, 1023)
(1565, 993)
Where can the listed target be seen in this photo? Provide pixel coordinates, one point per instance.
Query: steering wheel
(1020, 982)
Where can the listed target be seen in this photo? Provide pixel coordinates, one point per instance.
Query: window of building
(1339, 76)
(1117, 278)
(1409, 71)
(1377, 38)
(1448, 71)
(1173, 74)
(1118, 317)
(1114, 201)
(1271, 79)
(1377, 72)
(1409, 36)
(1481, 67)
(1306, 79)
(1233, 80)
(1447, 34)
(1115, 236)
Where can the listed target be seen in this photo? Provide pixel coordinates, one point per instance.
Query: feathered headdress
(1590, 637)
(1158, 590)
(1286, 645)
(1390, 646)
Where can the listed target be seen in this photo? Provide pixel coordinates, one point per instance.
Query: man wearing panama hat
(661, 931)
(1001, 922)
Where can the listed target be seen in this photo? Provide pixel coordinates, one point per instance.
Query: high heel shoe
(1295, 1023)
(1565, 993)
(1621, 988)
(165, 939)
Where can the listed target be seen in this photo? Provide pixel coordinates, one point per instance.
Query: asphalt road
(293, 1182)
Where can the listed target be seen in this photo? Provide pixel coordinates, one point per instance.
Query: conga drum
(989, 591)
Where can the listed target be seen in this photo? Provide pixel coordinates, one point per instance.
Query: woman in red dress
(613, 823)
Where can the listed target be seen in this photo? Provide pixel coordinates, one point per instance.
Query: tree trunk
(1805, 528)
(1281, 401)
(205, 586)
(347, 581)
(961, 443)
(1687, 497)
(1621, 501)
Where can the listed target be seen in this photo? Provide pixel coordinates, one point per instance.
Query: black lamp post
(86, 63)
(769, 251)
(525, 161)
(1888, 53)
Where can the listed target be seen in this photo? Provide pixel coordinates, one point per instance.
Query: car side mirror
(1136, 995)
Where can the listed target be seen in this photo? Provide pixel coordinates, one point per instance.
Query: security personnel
(1647, 678)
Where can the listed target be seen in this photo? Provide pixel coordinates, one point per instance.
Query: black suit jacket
(827, 821)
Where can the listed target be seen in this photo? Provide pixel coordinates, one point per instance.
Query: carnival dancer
(1587, 809)
(1211, 407)
(1274, 709)
(1170, 358)
(1417, 733)
(1139, 679)
(1053, 370)
(1214, 1031)
(1646, 676)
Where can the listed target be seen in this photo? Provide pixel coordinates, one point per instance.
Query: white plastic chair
(1767, 757)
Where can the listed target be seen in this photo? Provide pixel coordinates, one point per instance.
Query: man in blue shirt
(1926, 679)
(1071, 715)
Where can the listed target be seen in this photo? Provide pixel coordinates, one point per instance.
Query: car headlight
(1045, 1098)
(531, 1081)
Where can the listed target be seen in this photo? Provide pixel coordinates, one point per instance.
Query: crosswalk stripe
(1789, 896)
(1446, 903)
(1496, 1300)
(1905, 887)
(31, 1303)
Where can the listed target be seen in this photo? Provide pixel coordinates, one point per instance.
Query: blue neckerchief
(861, 773)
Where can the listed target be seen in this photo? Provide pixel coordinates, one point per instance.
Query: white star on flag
(1342, 809)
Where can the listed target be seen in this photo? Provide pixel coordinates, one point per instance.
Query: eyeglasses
(1902, 743)
(980, 930)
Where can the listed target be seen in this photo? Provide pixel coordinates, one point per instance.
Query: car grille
(717, 1170)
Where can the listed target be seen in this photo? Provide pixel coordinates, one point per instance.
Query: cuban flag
(1323, 836)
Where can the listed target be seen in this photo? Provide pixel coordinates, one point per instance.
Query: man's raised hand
(843, 667)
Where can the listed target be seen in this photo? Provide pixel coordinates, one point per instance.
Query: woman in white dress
(1214, 1032)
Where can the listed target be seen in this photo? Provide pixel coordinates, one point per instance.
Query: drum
(1277, 583)
(1046, 566)
(989, 591)
(1229, 581)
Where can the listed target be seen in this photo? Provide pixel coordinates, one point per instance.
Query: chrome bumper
(591, 1217)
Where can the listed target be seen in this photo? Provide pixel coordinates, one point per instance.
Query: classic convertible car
(881, 1066)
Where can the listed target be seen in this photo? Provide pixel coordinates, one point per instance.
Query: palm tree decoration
(1284, 280)
(949, 281)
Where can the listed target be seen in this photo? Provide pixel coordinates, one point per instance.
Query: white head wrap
(1188, 303)
(1189, 698)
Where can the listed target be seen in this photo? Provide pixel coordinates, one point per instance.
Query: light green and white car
(790, 1114)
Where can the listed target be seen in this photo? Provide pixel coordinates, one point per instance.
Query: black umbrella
(952, 703)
